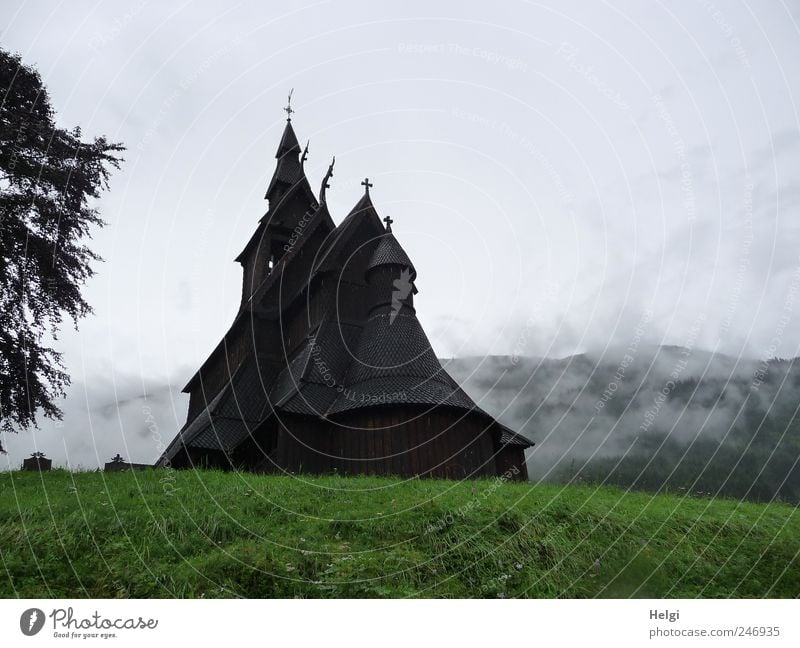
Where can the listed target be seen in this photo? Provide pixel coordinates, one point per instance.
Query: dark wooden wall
(510, 462)
(400, 441)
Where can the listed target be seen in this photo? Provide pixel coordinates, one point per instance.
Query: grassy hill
(212, 534)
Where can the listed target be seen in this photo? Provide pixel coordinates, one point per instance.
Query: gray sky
(554, 169)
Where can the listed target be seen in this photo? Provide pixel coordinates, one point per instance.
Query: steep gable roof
(314, 382)
(383, 358)
(363, 217)
(394, 363)
(321, 218)
(288, 143)
(288, 180)
(289, 169)
(232, 414)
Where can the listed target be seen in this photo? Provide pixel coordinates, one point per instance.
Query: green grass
(214, 534)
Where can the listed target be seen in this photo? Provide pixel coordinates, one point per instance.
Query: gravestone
(37, 461)
(117, 463)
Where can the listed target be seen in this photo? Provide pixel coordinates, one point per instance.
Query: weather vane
(289, 110)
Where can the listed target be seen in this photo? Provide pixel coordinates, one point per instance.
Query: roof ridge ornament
(289, 110)
(388, 220)
(304, 157)
(325, 185)
(366, 184)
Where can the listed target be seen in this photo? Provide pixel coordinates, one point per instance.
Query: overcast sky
(558, 171)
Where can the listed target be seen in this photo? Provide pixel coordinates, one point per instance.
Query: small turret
(390, 275)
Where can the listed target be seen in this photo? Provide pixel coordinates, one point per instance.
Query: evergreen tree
(48, 179)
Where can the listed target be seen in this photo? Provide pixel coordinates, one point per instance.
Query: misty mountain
(652, 418)
(662, 418)
(104, 415)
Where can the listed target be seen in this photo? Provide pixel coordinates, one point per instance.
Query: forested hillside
(664, 418)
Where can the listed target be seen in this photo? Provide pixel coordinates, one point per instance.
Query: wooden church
(326, 368)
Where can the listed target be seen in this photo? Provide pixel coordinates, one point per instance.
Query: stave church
(326, 368)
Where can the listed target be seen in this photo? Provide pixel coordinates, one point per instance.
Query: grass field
(214, 534)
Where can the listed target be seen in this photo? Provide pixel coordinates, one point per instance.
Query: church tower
(290, 201)
(326, 367)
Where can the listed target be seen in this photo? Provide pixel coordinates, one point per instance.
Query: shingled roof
(313, 379)
(376, 356)
(319, 218)
(288, 178)
(289, 169)
(332, 254)
(342, 367)
(232, 414)
(394, 364)
(390, 252)
(387, 360)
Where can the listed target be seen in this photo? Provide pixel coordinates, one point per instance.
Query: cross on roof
(289, 110)
(388, 220)
(366, 184)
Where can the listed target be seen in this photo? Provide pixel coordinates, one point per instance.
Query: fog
(555, 170)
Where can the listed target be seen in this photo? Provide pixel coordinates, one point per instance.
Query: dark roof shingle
(390, 252)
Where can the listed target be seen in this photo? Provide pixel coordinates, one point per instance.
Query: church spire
(289, 169)
(288, 143)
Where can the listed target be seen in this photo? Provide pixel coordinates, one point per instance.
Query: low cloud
(104, 417)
